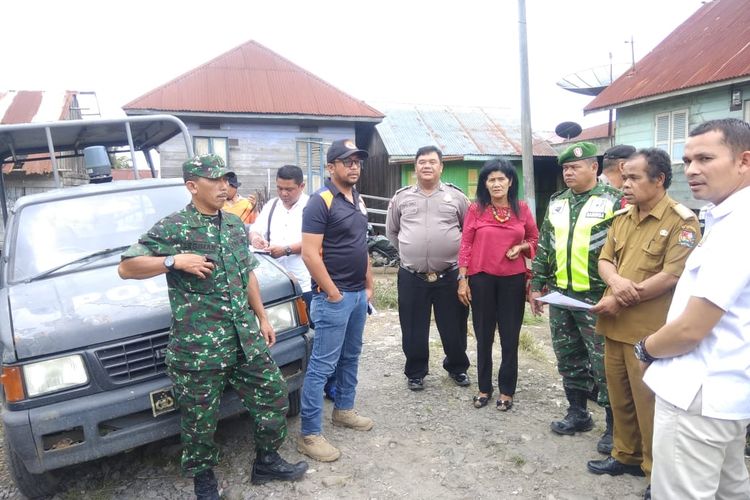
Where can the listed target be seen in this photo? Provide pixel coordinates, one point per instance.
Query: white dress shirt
(286, 229)
(718, 270)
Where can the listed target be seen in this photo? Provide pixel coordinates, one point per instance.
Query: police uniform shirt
(661, 242)
(426, 228)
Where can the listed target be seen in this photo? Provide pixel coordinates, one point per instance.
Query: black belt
(431, 277)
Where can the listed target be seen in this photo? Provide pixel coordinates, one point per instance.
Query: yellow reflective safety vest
(579, 237)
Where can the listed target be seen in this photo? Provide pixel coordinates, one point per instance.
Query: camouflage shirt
(544, 266)
(211, 317)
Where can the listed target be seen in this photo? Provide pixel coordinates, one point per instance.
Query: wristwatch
(169, 262)
(641, 354)
(288, 251)
(460, 277)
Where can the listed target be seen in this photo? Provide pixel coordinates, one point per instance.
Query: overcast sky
(407, 51)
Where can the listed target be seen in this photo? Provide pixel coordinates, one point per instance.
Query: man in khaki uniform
(424, 223)
(641, 261)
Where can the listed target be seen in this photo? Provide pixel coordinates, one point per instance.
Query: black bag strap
(268, 226)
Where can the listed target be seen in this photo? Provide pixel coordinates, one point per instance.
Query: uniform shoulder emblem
(401, 190)
(453, 186)
(683, 211)
(558, 193)
(622, 211)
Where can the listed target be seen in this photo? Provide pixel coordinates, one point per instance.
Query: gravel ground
(429, 444)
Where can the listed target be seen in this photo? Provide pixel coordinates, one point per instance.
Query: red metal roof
(595, 132)
(712, 45)
(252, 79)
(34, 106)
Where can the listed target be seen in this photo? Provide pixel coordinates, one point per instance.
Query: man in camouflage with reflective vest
(215, 338)
(571, 237)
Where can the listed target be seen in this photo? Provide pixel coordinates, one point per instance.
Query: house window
(211, 145)
(471, 185)
(311, 160)
(671, 133)
(747, 111)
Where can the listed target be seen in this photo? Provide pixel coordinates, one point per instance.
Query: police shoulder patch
(683, 211)
(453, 186)
(401, 189)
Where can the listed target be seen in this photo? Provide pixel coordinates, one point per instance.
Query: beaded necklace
(501, 215)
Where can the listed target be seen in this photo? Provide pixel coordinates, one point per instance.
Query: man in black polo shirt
(334, 248)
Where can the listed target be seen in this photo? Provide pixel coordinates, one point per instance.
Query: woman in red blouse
(499, 231)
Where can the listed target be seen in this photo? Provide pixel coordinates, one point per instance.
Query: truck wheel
(30, 485)
(295, 403)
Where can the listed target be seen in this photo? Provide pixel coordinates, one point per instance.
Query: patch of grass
(386, 295)
(528, 344)
(518, 460)
(530, 320)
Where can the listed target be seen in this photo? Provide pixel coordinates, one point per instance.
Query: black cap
(619, 152)
(233, 180)
(344, 148)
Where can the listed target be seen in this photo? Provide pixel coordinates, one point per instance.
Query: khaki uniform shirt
(426, 228)
(661, 242)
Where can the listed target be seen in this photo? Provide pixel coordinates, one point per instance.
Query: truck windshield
(55, 234)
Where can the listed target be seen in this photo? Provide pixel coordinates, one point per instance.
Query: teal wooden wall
(636, 125)
(462, 174)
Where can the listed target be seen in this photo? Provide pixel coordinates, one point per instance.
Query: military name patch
(687, 237)
(595, 215)
(200, 247)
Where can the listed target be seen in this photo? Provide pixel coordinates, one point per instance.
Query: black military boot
(578, 418)
(604, 446)
(205, 486)
(269, 466)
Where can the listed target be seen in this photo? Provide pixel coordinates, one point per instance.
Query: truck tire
(30, 485)
(295, 403)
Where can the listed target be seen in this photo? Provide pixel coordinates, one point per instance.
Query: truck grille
(136, 359)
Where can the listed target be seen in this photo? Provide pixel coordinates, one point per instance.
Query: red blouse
(485, 241)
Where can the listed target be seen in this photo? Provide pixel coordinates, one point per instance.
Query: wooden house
(700, 72)
(258, 111)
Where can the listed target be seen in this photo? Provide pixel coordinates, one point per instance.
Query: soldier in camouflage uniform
(215, 338)
(570, 239)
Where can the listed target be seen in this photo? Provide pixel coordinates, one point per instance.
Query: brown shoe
(352, 420)
(318, 448)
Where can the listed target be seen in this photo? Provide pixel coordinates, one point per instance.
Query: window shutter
(662, 132)
(679, 135)
(311, 160)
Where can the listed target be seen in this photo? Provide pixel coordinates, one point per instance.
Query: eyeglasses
(351, 163)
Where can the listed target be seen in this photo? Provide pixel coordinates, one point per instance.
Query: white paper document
(560, 300)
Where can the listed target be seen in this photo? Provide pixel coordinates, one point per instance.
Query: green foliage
(386, 294)
(528, 344)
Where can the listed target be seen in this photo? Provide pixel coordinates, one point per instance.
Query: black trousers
(497, 301)
(416, 300)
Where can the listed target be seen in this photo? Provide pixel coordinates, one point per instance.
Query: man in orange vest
(242, 207)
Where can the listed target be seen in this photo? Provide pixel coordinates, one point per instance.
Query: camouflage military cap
(577, 151)
(208, 166)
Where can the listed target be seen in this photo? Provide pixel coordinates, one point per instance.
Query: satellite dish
(592, 81)
(568, 130)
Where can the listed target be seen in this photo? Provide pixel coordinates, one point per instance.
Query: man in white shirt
(700, 360)
(278, 228)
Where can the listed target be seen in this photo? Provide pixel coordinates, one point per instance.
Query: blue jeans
(336, 348)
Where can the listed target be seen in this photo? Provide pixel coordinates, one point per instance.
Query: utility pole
(527, 151)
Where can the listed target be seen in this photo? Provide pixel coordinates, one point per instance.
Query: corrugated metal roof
(712, 46)
(34, 106)
(476, 132)
(595, 132)
(253, 79)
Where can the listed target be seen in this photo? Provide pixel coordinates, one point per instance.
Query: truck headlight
(54, 375)
(282, 316)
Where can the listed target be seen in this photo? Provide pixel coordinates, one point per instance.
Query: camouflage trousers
(262, 389)
(578, 348)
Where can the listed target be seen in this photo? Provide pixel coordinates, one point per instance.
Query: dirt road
(429, 444)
